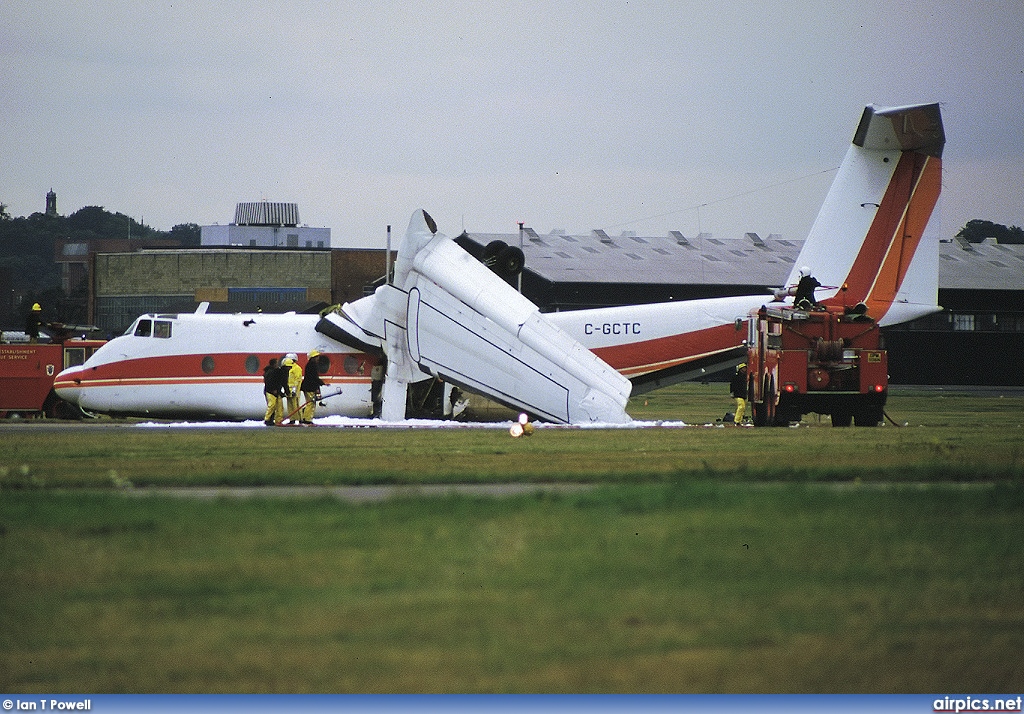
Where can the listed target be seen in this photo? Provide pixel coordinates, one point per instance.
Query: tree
(89, 218)
(27, 247)
(187, 233)
(1014, 234)
(977, 231)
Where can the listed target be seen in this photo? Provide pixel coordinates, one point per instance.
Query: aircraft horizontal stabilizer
(911, 128)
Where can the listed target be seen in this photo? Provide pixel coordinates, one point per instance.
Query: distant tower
(51, 203)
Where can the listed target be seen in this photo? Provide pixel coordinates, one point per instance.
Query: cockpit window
(162, 329)
(144, 328)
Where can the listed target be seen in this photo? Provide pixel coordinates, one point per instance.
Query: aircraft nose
(67, 385)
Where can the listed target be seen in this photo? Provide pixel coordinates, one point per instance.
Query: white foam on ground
(352, 422)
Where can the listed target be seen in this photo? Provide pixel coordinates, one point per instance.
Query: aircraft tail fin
(870, 227)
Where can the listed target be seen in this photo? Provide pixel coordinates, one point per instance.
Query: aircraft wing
(347, 330)
(449, 316)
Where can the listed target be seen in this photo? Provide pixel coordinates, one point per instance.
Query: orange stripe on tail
(885, 256)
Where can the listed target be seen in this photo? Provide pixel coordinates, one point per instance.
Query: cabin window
(252, 364)
(208, 364)
(144, 328)
(162, 328)
(353, 365)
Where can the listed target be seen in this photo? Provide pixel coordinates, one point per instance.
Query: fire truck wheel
(868, 415)
(841, 417)
(760, 416)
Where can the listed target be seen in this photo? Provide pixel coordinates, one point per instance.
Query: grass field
(707, 560)
(947, 437)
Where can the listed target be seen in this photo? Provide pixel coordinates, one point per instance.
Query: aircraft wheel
(492, 250)
(510, 261)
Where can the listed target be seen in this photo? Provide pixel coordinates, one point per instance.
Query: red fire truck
(827, 359)
(27, 371)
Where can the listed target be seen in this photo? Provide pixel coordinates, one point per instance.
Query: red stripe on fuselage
(189, 369)
(639, 358)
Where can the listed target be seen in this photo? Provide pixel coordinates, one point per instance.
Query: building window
(963, 323)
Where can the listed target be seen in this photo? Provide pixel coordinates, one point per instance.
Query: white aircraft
(446, 316)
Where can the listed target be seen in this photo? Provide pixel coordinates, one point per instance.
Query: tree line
(977, 231)
(29, 272)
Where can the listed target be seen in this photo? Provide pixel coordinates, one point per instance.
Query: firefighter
(293, 380)
(311, 384)
(738, 389)
(804, 296)
(273, 389)
(32, 322)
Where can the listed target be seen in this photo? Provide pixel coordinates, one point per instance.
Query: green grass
(655, 588)
(955, 437)
(710, 560)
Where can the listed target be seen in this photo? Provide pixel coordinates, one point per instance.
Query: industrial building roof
(670, 259)
(704, 259)
(981, 266)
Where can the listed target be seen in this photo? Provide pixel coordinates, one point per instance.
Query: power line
(723, 199)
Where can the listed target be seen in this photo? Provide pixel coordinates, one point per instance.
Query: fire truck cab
(826, 359)
(27, 371)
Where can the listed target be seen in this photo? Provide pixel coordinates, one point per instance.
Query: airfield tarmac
(359, 494)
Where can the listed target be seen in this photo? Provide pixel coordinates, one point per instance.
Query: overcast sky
(626, 116)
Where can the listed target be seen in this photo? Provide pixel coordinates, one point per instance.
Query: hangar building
(977, 338)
